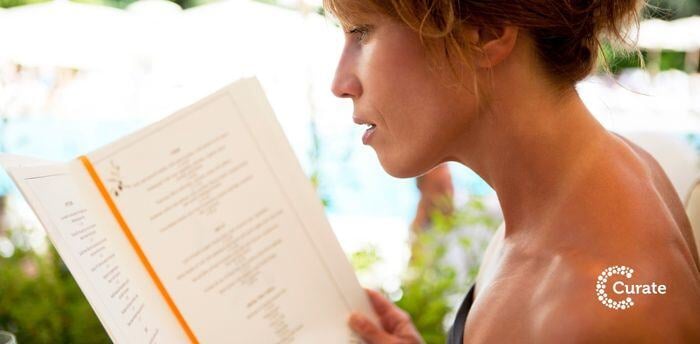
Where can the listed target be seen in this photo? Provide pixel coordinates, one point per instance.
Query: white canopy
(67, 34)
(680, 35)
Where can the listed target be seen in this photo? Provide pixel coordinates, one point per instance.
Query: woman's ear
(494, 44)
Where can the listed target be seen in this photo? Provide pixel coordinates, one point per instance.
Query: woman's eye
(360, 32)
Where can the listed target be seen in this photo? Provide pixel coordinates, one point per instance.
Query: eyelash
(363, 30)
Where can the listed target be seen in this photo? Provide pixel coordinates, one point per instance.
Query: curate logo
(620, 288)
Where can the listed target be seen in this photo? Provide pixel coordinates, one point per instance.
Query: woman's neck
(530, 149)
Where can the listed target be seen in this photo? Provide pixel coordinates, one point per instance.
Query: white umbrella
(653, 34)
(67, 34)
(689, 30)
(239, 33)
(680, 35)
(234, 37)
(158, 23)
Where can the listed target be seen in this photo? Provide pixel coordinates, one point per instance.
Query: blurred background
(77, 75)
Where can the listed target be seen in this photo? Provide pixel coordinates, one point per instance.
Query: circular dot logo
(601, 282)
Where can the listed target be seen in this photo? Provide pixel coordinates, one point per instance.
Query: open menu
(200, 228)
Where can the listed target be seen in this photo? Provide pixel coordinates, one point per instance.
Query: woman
(490, 84)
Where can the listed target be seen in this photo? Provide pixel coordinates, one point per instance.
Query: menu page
(97, 255)
(233, 228)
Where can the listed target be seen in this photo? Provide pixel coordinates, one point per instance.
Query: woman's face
(418, 120)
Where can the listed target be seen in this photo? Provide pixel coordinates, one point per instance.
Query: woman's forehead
(354, 11)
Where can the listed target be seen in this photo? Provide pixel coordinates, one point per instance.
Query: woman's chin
(401, 169)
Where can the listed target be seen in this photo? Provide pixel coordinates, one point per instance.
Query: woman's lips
(368, 134)
(370, 130)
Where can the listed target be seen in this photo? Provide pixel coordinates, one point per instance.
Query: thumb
(367, 330)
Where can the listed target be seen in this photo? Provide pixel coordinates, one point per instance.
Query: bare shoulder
(627, 200)
(669, 200)
(592, 302)
(610, 264)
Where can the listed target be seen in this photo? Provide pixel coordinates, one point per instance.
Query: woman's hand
(397, 327)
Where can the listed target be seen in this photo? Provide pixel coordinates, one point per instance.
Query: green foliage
(672, 60)
(41, 303)
(13, 3)
(364, 259)
(427, 288)
(615, 60)
(430, 284)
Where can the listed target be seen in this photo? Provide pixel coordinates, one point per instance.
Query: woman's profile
(490, 84)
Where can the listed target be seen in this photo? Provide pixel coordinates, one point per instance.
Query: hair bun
(569, 37)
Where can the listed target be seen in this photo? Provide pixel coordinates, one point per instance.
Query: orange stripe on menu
(129, 235)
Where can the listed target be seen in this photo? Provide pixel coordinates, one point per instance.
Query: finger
(367, 330)
(382, 306)
(389, 314)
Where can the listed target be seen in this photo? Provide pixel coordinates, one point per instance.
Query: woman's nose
(345, 83)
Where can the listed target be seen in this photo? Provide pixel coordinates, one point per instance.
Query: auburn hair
(566, 33)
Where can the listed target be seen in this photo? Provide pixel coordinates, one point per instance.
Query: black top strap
(456, 333)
